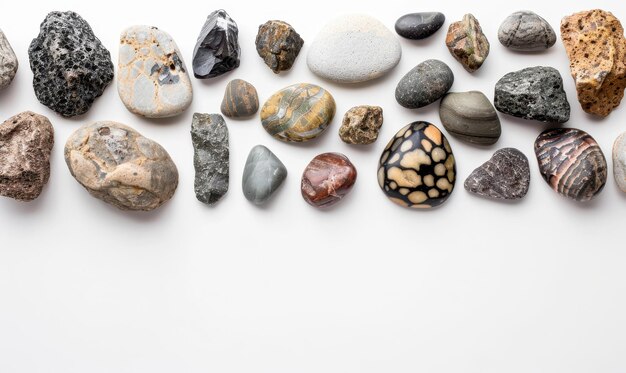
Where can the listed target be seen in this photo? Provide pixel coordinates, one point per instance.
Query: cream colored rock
(152, 79)
(118, 165)
(619, 161)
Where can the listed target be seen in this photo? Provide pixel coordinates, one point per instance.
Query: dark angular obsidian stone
(217, 49)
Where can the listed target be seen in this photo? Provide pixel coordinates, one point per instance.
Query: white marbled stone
(619, 161)
(354, 48)
(152, 80)
(8, 62)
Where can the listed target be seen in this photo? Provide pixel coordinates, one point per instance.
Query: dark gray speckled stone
(534, 93)
(424, 84)
(505, 176)
(209, 135)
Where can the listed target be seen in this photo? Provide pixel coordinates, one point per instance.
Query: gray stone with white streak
(8, 62)
(262, 175)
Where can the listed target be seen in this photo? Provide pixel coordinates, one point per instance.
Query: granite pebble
(352, 49)
(71, 67)
(8, 62)
(263, 175)
(619, 161)
(217, 48)
(505, 176)
(424, 84)
(118, 165)
(533, 93)
(26, 142)
(152, 78)
(421, 25)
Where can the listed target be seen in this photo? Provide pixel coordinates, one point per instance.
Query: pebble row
(417, 168)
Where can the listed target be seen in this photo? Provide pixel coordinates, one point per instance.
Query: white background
(367, 286)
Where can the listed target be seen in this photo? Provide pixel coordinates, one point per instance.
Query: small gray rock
(505, 176)
(71, 67)
(419, 25)
(262, 175)
(117, 165)
(424, 84)
(470, 116)
(534, 93)
(209, 135)
(26, 141)
(8, 62)
(526, 31)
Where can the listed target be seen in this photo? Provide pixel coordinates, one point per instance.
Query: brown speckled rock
(596, 47)
(467, 43)
(361, 125)
(118, 165)
(278, 44)
(26, 141)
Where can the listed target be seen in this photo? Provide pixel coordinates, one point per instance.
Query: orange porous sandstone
(596, 47)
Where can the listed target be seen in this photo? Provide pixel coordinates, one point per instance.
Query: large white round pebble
(354, 48)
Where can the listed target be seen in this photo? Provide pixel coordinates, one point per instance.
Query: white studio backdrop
(367, 286)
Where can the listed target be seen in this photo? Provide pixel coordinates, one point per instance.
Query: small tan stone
(361, 125)
(596, 47)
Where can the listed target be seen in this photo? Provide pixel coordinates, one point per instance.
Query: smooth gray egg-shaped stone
(471, 117)
(262, 175)
(526, 31)
(424, 84)
(419, 25)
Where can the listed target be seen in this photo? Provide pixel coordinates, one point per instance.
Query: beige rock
(118, 165)
(596, 47)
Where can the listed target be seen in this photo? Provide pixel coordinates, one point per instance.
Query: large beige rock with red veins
(596, 48)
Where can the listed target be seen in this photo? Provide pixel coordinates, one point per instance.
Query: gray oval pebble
(424, 84)
(471, 117)
(526, 31)
(419, 25)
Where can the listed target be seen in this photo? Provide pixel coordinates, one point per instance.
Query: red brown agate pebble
(327, 179)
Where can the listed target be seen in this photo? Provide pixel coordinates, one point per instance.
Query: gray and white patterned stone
(8, 62)
(262, 175)
(526, 31)
(152, 78)
(505, 176)
(71, 67)
(619, 161)
(209, 136)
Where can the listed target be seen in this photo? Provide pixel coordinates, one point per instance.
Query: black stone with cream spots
(417, 168)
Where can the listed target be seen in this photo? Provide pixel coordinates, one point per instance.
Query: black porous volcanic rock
(71, 67)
